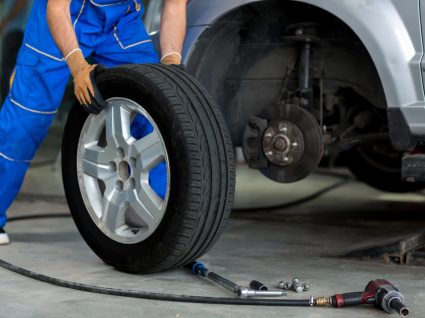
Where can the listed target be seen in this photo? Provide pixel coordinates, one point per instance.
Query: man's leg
(25, 117)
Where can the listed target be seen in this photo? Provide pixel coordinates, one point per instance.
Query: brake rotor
(284, 142)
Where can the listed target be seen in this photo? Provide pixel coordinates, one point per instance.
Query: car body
(365, 55)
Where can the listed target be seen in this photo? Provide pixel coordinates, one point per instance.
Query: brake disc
(284, 142)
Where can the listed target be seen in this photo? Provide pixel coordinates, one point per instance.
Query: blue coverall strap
(138, 5)
(108, 3)
(80, 10)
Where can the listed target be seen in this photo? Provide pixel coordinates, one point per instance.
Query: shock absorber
(304, 69)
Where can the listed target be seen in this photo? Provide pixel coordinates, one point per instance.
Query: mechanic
(60, 35)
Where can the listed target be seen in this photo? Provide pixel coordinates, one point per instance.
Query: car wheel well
(250, 54)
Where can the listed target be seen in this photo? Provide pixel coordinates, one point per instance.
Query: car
(303, 82)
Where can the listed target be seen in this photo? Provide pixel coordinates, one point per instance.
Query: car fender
(390, 31)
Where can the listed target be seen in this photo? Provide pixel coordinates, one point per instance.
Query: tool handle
(200, 269)
(229, 285)
(352, 299)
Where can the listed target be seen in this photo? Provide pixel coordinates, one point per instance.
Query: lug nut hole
(119, 185)
(132, 183)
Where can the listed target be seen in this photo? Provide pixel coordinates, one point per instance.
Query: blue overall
(111, 31)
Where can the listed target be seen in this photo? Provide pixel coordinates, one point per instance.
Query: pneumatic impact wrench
(379, 292)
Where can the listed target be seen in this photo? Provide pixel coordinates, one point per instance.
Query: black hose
(43, 163)
(161, 296)
(148, 295)
(303, 200)
(38, 216)
(141, 294)
(31, 197)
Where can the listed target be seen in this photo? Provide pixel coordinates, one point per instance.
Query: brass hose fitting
(322, 301)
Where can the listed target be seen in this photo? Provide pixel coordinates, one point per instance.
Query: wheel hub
(280, 143)
(283, 143)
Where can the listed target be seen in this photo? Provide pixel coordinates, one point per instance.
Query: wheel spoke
(145, 209)
(96, 154)
(150, 150)
(96, 164)
(118, 120)
(113, 210)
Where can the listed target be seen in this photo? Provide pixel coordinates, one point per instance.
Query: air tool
(379, 292)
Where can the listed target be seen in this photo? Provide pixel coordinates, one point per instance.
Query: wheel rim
(123, 171)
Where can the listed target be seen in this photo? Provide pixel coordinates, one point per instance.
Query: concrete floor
(268, 246)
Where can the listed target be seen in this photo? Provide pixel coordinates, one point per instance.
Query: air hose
(301, 201)
(157, 296)
(381, 293)
(140, 294)
(148, 295)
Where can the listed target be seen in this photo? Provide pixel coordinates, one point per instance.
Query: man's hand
(80, 71)
(173, 31)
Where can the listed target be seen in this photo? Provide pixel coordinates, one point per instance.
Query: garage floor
(269, 246)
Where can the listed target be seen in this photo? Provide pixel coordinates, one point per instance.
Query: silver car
(309, 82)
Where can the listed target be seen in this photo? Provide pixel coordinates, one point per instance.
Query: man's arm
(14, 12)
(60, 25)
(173, 31)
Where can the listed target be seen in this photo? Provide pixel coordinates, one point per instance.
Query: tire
(200, 169)
(379, 166)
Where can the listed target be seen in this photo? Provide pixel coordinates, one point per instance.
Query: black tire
(379, 166)
(201, 165)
